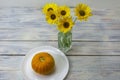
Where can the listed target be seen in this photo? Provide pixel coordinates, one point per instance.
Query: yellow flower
(83, 11)
(65, 24)
(64, 11)
(52, 17)
(49, 7)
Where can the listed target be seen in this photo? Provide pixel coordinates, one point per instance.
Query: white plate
(61, 64)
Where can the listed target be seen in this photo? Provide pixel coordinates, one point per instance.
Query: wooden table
(95, 53)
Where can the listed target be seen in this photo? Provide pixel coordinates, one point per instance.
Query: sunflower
(83, 11)
(65, 24)
(49, 7)
(52, 17)
(64, 11)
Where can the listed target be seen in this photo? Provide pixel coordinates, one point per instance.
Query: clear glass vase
(65, 41)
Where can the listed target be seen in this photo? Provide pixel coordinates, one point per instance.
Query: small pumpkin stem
(42, 59)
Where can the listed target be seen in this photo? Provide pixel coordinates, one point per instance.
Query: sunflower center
(53, 16)
(63, 12)
(50, 9)
(66, 25)
(82, 13)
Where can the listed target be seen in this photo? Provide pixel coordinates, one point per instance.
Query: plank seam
(66, 55)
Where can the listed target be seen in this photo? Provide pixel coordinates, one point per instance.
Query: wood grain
(52, 34)
(39, 3)
(20, 23)
(78, 48)
(81, 68)
(28, 17)
(95, 53)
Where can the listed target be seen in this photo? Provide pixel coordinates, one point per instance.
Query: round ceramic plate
(61, 64)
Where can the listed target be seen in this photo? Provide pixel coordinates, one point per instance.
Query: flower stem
(75, 20)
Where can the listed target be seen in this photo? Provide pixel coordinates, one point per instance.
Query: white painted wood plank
(17, 17)
(48, 33)
(40, 3)
(21, 23)
(78, 48)
(11, 75)
(11, 62)
(81, 68)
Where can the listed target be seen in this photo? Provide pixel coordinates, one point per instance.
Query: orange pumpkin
(43, 63)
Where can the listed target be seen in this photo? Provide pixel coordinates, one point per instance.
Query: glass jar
(65, 41)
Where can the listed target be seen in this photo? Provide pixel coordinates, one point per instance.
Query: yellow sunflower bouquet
(61, 17)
